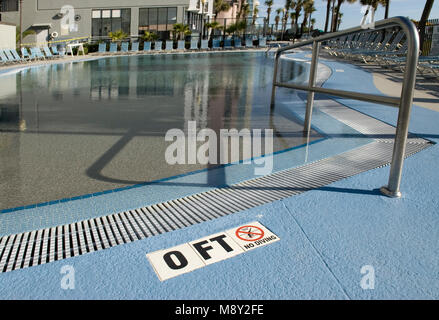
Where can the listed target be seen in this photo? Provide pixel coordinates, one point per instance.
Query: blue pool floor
(327, 236)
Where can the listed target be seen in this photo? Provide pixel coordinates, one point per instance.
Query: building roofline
(7, 23)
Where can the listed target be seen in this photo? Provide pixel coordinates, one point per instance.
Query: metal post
(273, 90)
(283, 24)
(224, 32)
(265, 27)
(202, 22)
(392, 189)
(21, 23)
(311, 83)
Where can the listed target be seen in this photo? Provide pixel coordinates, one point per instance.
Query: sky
(352, 12)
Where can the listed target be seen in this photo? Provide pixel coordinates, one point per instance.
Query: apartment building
(96, 18)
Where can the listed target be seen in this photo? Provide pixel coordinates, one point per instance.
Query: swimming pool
(162, 213)
(80, 128)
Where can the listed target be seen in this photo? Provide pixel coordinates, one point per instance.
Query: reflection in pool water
(76, 128)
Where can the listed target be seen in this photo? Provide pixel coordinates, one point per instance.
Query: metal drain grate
(38, 247)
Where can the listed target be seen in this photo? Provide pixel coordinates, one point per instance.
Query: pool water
(77, 128)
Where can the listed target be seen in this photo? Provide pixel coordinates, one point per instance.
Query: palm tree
(180, 29)
(373, 3)
(422, 23)
(313, 23)
(269, 4)
(244, 10)
(284, 20)
(150, 36)
(289, 4)
(308, 9)
(293, 17)
(255, 15)
(337, 10)
(387, 5)
(220, 6)
(340, 17)
(212, 26)
(118, 35)
(297, 10)
(277, 18)
(328, 12)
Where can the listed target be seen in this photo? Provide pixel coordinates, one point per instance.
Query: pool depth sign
(172, 262)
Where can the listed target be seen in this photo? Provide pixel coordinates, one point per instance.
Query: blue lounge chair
(391, 47)
(228, 43)
(194, 44)
(158, 45)
(349, 45)
(38, 53)
(169, 46)
(16, 55)
(124, 47)
(249, 43)
(262, 42)
(386, 45)
(238, 42)
(363, 54)
(9, 56)
(134, 47)
(3, 58)
(25, 54)
(48, 53)
(181, 45)
(28, 56)
(102, 47)
(204, 45)
(429, 70)
(216, 44)
(56, 52)
(113, 47)
(147, 46)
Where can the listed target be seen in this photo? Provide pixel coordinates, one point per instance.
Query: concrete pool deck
(327, 236)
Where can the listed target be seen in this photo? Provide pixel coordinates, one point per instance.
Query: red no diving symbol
(249, 233)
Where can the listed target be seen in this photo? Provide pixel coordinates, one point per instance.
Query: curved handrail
(404, 102)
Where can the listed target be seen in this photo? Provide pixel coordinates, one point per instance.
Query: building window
(158, 20)
(106, 21)
(8, 5)
(96, 14)
(115, 13)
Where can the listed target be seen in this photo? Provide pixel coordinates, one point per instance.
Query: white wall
(7, 36)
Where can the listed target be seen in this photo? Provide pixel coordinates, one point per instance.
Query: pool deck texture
(327, 236)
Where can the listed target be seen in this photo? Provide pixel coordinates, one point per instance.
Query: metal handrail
(273, 47)
(404, 102)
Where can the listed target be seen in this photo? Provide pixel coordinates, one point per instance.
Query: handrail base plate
(385, 191)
